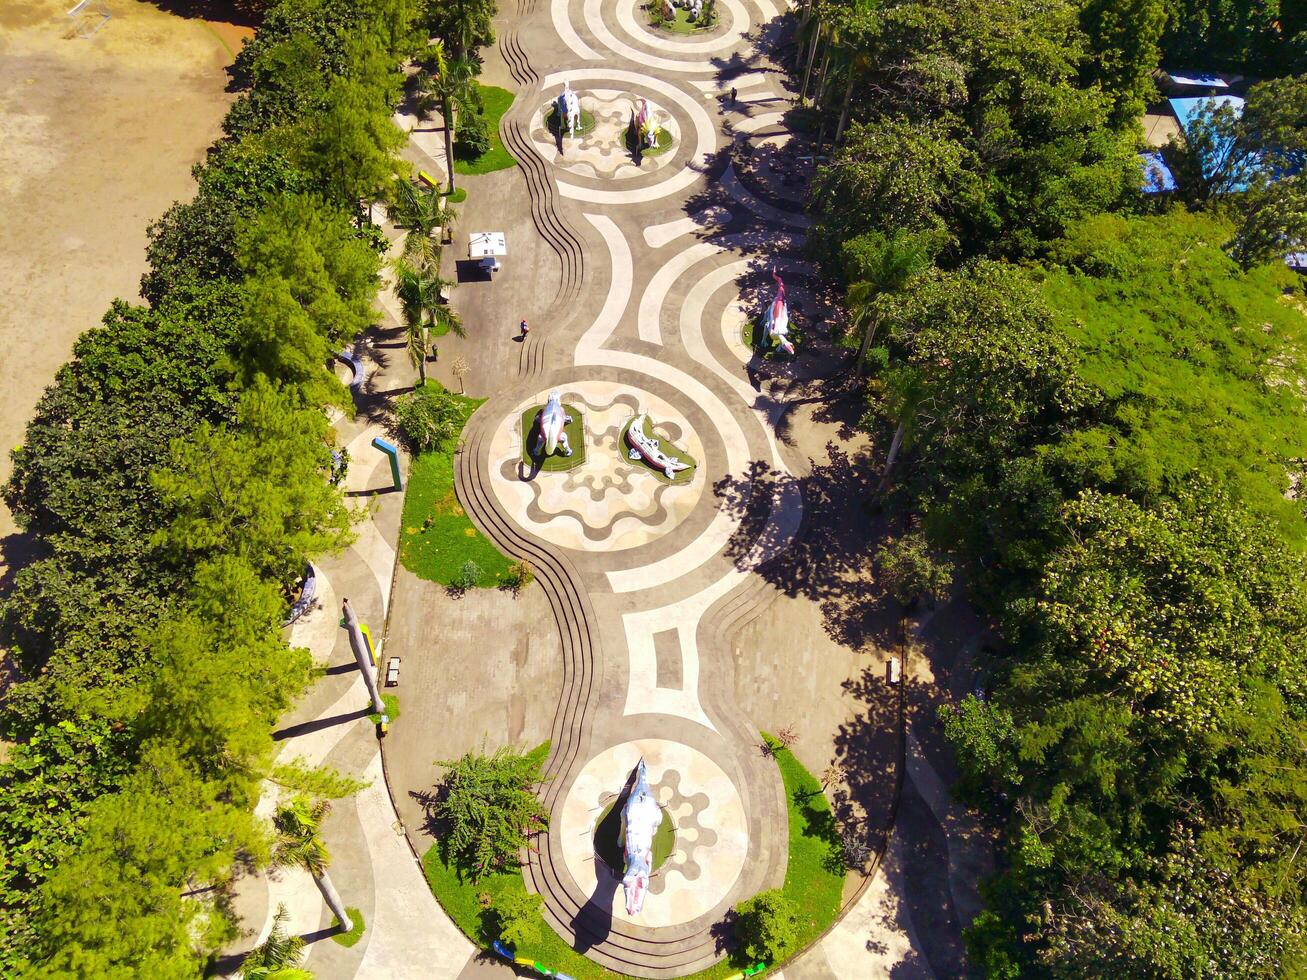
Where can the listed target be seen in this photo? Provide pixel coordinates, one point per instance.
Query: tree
(462, 25)
(448, 83)
(423, 212)
(517, 914)
(1272, 222)
(260, 492)
(279, 957)
(911, 572)
(418, 291)
(298, 844)
(876, 263)
(488, 810)
(767, 926)
(430, 417)
(890, 174)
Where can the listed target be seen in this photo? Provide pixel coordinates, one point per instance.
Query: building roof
(1158, 178)
(1202, 79)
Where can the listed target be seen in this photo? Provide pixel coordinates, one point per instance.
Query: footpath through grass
(814, 881)
(496, 102)
(437, 537)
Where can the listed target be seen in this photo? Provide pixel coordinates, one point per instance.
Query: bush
(767, 926)
(911, 572)
(517, 914)
(428, 417)
(473, 136)
(519, 575)
(469, 574)
(487, 810)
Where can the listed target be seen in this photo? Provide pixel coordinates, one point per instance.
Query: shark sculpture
(778, 318)
(640, 818)
(569, 109)
(642, 446)
(552, 431)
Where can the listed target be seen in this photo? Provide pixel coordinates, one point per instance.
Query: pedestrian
(524, 329)
(732, 95)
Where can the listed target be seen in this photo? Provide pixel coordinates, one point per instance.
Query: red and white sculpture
(640, 819)
(777, 326)
(647, 448)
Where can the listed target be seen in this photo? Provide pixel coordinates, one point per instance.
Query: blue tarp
(1158, 178)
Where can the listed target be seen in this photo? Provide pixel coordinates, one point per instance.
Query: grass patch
(458, 195)
(752, 333)
(554, 122)
(352, 937)
(391, 702)
(681, 22)
(436, 536)
(651, 430)
(663, 144)
(558, 463)
(495, 102)
(814, 877)
(608, 838)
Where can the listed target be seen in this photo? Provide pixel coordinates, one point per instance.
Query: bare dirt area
(97, 138)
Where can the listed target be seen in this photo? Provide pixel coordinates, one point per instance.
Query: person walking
(732, 96)
(523, 329)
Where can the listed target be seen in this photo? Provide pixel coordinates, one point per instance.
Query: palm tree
(424, 213)
(448, 83)
(886, 265)
(298, 845)
(279, 957)
(420, 294)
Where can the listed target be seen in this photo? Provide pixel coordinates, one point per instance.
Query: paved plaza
(672, 620)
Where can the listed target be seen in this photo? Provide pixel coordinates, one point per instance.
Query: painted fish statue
(642, 446)
(778, 318)
(552, 432)
(640, 818)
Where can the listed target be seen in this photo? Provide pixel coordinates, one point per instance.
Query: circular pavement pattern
(712, 837)
(610, 503)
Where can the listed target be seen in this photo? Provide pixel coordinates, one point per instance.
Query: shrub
(767, 926)
(473, 137)
(911, 572)
(519, 575)
(487, 809)
(428, 417)
(517, 914)
(469, 574)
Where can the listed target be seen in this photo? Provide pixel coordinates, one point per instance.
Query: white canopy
(484, 244)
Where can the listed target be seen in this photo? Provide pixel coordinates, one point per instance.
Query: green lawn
(662, 146)
(496, 102)
(814, 878)
(681, 23)
(437, 537)
(814, 881)
(352, 937)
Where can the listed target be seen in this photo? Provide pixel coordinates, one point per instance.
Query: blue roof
(1157, 175)
(1186, 109)
(1197, 78)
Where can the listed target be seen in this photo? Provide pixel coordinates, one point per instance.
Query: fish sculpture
(552, 432)
(640, 818)
(778, 318)
(643, 447)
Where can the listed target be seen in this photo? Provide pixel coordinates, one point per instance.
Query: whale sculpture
(777, 327)
(552, 431)
(640, 818)
(648, 449)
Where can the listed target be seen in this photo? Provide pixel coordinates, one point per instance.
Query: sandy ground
(97, 139)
